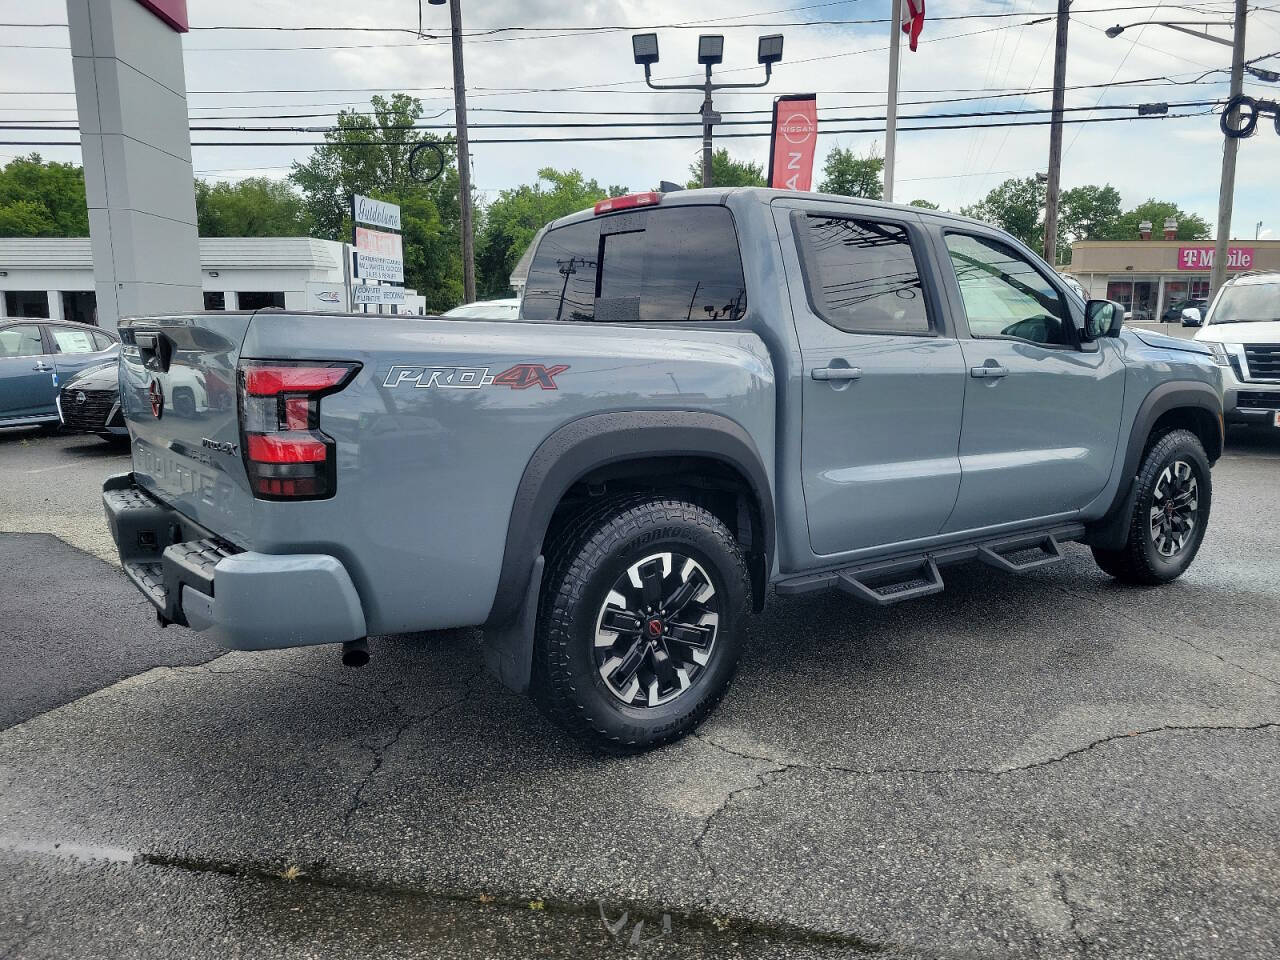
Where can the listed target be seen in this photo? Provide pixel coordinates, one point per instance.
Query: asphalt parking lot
(1046, 765)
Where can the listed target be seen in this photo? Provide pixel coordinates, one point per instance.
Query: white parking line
(60, 466)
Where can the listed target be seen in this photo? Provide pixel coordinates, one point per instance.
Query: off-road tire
(583, 563)
(1139, 561)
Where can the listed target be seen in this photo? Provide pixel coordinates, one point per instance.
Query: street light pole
(1230, 145)
(644, 46)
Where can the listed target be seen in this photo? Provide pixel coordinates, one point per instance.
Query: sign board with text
(794, 140)
(379, 255)
(366, 293)
(1201, 258)
(375, 213)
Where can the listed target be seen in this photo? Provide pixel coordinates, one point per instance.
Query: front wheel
(639, 629)
(1170, 513)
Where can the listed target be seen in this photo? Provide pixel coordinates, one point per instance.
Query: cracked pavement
(1045, 765)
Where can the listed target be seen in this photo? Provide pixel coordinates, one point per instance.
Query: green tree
(1015, 207)
(256, 207)
(727, 172)
(1125, 227)
(41, 198)
(924, 204)
(368, 153)
(1088, 212)
(512, 220)
(850, 175)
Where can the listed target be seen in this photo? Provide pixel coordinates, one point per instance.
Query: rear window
(671, 265)
(861, 275)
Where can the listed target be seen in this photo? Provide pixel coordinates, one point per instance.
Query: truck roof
(722, 195)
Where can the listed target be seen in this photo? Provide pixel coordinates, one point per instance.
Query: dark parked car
(90, 403)
(1173, 313)
(36, 357)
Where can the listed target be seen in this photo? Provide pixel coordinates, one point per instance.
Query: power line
(9, 125)
(625, 138)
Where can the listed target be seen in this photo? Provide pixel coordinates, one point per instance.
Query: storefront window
(1121, 291)
(26, 303)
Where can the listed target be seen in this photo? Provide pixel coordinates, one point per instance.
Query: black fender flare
(1111, 530)
(565, 457)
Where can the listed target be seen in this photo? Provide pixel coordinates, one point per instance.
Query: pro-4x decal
(521, 376)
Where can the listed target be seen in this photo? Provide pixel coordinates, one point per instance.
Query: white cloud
(1171, 159)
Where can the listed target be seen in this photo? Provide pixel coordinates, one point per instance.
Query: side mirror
(1103, 318)
(1191, 317)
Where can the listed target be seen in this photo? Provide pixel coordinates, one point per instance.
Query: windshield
(1244, 303)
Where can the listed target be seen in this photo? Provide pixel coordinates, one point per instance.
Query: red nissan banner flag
(913, 22)
(794, 139)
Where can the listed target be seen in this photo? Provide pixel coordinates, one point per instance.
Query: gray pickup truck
(707, 394)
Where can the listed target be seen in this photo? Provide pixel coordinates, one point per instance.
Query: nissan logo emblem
(156, 396)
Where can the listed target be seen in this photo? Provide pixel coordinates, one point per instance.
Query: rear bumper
(243, 600)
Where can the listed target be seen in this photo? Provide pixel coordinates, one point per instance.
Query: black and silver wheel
(640, 621)
(1170, 513)
(1175, 509)
(656, 630)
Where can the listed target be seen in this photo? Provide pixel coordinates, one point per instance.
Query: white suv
(1243, 329)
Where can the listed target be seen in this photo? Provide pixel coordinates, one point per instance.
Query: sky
(1002, 62)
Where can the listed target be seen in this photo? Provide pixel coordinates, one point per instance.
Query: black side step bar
(884, 582)
(892, 583)
(1010, 555)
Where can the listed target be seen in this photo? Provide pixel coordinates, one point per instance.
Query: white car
(1243, 330)
(485, 310)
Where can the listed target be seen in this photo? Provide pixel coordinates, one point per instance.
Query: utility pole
(709, 119)
(891, 115)
(1055, 135)
(464, 156)
(1227, 191)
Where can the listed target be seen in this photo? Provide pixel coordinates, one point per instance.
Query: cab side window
(861, 275)
(1004, 295)
(71, 340)
(22, 340)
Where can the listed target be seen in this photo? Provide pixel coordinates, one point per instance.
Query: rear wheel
(640, 624)
(1170, 513)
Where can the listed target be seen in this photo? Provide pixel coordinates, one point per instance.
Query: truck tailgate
(178, 395)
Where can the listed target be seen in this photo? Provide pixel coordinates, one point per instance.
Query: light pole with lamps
(644, 46)
(464, 151)
(1227, 188)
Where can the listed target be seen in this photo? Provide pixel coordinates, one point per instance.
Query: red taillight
(285, 449)
(627, 202)
(285, 453)
(268, 381)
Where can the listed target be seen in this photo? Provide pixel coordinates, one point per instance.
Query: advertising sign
(1201, 258)
(794, 140)
(367, 293)
(379, 256)
(375, 213)
(328, 297)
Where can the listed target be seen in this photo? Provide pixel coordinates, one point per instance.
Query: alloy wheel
(656, 629)
(1175, 503)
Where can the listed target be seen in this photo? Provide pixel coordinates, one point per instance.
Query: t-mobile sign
(795, 137)
(1201, 258)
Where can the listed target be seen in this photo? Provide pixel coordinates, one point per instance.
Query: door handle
(988, 372)
(837, 373)
(42, 366)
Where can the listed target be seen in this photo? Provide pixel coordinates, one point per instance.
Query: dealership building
(1150, 277)
(53, 276)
